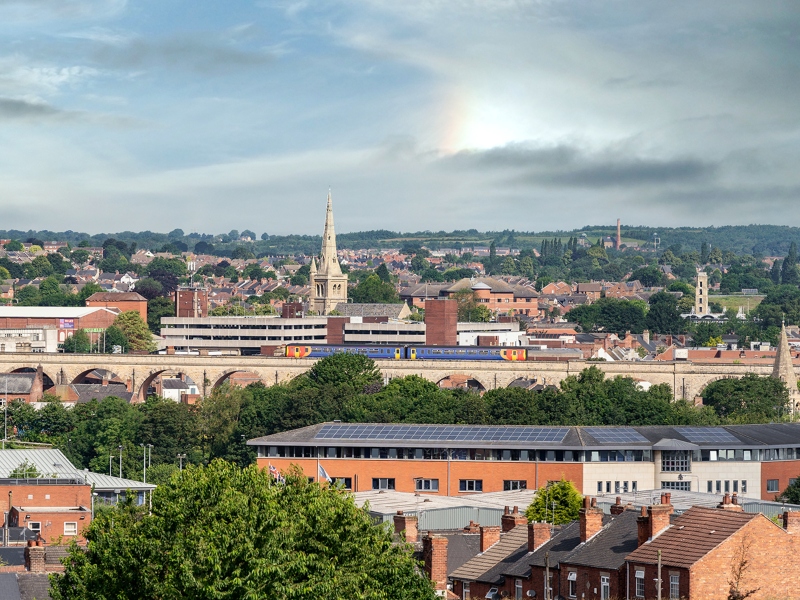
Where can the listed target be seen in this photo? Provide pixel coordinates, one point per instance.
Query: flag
(324, 475)
(276, 474)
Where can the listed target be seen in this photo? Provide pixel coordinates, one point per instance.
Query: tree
(792, 492)
(663, 316)
(39, 267)
(114, 341)
(136, 331)
(149, 288)
(302, 539)
(647, 276)
(704, 252)
(156, 309)
(25, 470)
(751, 399)
(78, 342)
(469, 310)
(567, 501)
(374, 291)
(383, 273)
(14, 246)
(343, 368)
(789, 273)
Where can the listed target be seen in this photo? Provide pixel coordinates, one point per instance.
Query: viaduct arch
(686, 379)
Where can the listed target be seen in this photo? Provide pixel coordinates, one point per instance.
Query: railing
(42, 481)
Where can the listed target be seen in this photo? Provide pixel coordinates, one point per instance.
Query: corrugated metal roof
(51, 462)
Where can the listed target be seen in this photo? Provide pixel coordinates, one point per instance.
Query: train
(509, 353)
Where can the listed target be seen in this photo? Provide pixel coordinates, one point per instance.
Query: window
(515, 484)
(608, 487)
(634, 486)
(599, 487)
(345, 482)
(685, 486)
(426, 485)
(470, 485)
(744, 486)
(675, 460)
(617, 487)
(772, 485)
(71, 528)
(674, 586)
(382, 484)
(727, 486)
(35, 526)
(719, 486)
(518, 589)
(572, 582)
(605, 587)
(640, 584)
(710, 487)
(465, 590)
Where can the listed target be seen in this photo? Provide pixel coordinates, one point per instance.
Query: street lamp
(180, 458)
(120, 460)
(144, 463)
(110, 456)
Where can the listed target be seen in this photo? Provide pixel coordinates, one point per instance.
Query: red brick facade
(441, 322)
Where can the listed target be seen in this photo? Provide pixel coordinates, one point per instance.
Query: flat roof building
(753, 461)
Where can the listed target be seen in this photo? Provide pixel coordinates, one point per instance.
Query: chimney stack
(617, 508)
(729, 503)
(654, 519)
(473, 527)
(490, 535)
(619, 235)
(511, 519)
(434, 557)
(791, 521)
(539, 533)
(591, 518)
(407, 524)
(642, 527)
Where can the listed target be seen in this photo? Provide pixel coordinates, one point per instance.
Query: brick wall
(139, 306)
(52, 523)
(492, 473)
(441, 322)
(782, 470)
(46, 495)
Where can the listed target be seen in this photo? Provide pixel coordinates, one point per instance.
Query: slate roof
(18, 383)
(116, 297)
(485, 566)
(33, 586)
(561, 545)
(461, 547)
(9, 588)
(13, 555)
(692, 535)
(94, 391)
(609, 547)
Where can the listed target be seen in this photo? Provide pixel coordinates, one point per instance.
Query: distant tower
(701, 294)
(619, 235)
(328, 283)
(784, 370)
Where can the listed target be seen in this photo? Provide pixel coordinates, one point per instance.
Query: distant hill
(766, 240)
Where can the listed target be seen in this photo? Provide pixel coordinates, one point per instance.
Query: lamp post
(120, 460)
(149, 455)
(180, 459)
(144, 463)
(110, 457)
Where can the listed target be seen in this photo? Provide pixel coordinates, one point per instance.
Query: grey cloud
(30, 10)
(198, 52)
(570, 166)
(14, 109)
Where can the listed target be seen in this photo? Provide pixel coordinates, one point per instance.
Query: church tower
(784, 370)
(328, 283)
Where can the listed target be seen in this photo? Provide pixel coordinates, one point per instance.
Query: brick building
(119, 302)
(67, 320)
(191, 302)
(441, 322)
(498, 296)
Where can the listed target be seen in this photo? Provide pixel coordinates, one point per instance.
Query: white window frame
(518, 589)
(426, 485)
(639, 583)
(465, 594)
(73, 526)
(37, 529)
(572, 584)
(674, 586)
(605, 587)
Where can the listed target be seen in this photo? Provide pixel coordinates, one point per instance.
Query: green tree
(78, 342)
(80, 257)
(25, 470)
(789, 272)
(39, 267)
(374, 290)
(149, 288)
(792, 493)
(14, 246)
(750, 399)
(383, 272)
(664, 315)
(558, 502)
(136, 331)
(156, 309)
(647, 276)
(114, 338)
(302, 539)
(342, 368)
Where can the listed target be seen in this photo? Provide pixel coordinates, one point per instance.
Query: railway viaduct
(686, 379)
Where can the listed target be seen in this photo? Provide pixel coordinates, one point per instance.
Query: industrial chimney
(619, 235)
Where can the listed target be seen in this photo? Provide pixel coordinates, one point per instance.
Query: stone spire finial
(783, 369)
(328, 261)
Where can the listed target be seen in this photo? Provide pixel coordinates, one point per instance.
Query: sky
(418, 114)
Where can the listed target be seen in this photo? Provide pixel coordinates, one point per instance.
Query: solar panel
(615, 435)
(435, 433)
(701, 435)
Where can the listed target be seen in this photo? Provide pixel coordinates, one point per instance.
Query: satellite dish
(531, 593)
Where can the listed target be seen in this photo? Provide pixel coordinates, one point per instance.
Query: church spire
(328, 261)
(784, 370)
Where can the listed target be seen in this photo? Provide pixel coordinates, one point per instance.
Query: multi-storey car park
(754, 461)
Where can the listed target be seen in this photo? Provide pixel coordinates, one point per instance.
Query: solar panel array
(700, 435)
(615, 435)
(436, 433)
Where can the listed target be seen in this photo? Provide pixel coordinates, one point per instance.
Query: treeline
(350, 388)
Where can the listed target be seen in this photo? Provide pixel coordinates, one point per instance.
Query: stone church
(328, 283)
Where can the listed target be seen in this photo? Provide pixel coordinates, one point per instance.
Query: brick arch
(80, 377)
(225, 376)
(199, 379)
(700, 388)
(47, 381)
(469, 376)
